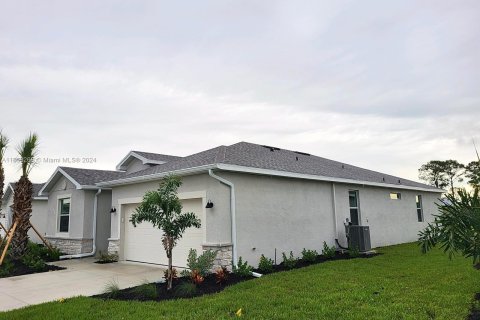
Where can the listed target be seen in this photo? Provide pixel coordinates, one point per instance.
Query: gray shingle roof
(156, 156)
(36, 188)
(262, 157)
(89, 177)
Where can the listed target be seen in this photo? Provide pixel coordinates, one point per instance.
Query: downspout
(232, 214)
(94, 248)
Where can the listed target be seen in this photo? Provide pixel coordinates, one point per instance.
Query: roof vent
(383, 179)
(302, 153)
(343, 166)
(296, 158)
(271, 148)
(399, 181)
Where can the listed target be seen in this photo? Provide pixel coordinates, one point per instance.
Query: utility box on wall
(359, 237)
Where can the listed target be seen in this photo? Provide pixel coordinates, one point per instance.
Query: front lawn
(400, 284)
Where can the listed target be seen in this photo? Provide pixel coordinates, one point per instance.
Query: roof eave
(181, 172)
(287, 174)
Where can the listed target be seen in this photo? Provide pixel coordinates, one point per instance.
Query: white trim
(120, 166)
(228, 167)
(156, 176)
(57, 229)
(61, 171)
(40, 198)
(236, 168)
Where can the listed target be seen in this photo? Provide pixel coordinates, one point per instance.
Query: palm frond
(28, 150)
(3, 145)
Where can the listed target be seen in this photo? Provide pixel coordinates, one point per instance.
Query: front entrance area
(144, 242)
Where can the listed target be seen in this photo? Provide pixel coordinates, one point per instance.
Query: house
(78, 211)
(39, 211)
(74, 203)
(264, 200)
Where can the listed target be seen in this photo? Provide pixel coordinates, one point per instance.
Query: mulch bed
(320, 259)
(19, 269)
(475, 313)
(210, 285)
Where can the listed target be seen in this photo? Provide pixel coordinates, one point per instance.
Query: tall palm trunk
(3, 147)
(22, 211)
(2, 184)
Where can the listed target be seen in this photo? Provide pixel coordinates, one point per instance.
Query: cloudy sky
(386, 85)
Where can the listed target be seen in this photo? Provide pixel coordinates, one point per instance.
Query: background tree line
(443, 174)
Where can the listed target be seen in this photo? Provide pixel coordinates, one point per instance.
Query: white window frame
(59, 213)
(419, 200)
(398, 196)
(357, 207)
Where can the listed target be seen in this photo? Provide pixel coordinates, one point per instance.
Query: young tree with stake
(163, 209)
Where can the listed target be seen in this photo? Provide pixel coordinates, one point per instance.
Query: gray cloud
(385, 85)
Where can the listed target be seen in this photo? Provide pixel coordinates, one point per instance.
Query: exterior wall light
(113, 210)
(209, 204)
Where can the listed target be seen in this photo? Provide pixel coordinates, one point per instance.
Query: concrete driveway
(82, 277)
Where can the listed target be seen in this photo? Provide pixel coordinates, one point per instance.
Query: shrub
(185, 289)
(107, 257)
(196, 277)
(354, 252)
(174, 275)
(328, 252)
(33, 260)
(6, 268)
(289, 262)
(111, 290)
(43, 252)
(221, 275)
(309, 255)
(265, 265)
(203, 263)
(146, 291)
(242, 269)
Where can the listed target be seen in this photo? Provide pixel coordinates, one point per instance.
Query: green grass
(401, 284)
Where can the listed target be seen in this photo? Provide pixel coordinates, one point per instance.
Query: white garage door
(144, 242)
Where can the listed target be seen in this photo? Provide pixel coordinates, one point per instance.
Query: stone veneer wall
(71, 246)
(224, 255)
(113, 246)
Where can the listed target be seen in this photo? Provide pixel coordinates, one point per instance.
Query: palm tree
(164, 210)
(3, 147)
(22, 199)
(457, 228)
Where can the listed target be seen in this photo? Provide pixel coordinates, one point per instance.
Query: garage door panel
(144, 242)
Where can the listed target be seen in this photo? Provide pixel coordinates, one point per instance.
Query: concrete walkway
(82, 277)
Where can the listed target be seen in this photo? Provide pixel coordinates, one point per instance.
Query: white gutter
(232, 214)
(94, 248)
(287, 174)
(156, 176)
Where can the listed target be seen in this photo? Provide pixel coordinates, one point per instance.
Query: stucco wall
(64, 188)
(38, 218)
(291, 214)
(282, 214)
(390, 221)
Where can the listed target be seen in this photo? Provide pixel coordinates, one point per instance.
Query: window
(419, 208)
(354, 208)
(64, 214)
(395, 196)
